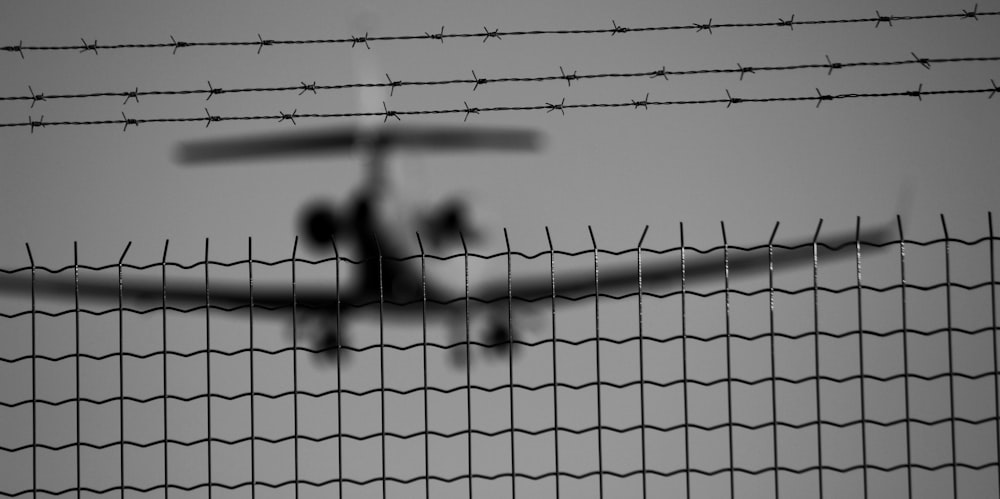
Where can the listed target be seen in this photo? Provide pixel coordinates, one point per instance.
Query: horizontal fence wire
(35, 97)
(645, 103)
(709, 27)
(968, 466)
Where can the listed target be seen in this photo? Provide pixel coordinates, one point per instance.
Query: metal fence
(867, 368)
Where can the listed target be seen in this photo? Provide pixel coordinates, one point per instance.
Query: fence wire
(487, 34)
(476, 81)
(741, 384)
(645, 103)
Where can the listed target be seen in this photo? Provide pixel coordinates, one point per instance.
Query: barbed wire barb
(731, 100)
(561, 106)
(702, 27)
(132, 95)
(360, 39)
(35, 97)
(436, 36)
(491, 34)
(289, 117)
(821, 97)
(477, 80)
(210, 118)
(16, 48)
(617, 29)
(392, 84)
(569, 78)
(744, 70)
(310, 87)
(994, 90)
(261, 42)
(644, 103)
(40, 123)
(128, 121)
(882, 19)
(917, 93)
(176, 44)
(972, 14)
(832, 65)
(213, 91)
(389, 113)
(88, 47)
(469, 110)
(790, 22)
(923, 61)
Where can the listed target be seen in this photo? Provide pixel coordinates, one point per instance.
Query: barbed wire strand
(475, 81)
(487, 34)
(548, 107)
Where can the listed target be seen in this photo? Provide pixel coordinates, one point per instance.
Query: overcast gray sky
(617, 170)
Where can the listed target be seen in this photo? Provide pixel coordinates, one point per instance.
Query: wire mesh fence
(862, 369)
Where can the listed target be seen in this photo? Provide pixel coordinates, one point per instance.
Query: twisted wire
(301, 89)
(548, 107)
(504, 475)
(527, 432)
(520, 254)
(458, 300)
(487, 34)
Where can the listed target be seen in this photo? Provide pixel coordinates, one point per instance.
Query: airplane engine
(498, 337)
(319, 222)
(447, 221)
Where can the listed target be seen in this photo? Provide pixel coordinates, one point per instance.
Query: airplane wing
(304, 143)
(151, 293)
(656, 276)
(187, 294)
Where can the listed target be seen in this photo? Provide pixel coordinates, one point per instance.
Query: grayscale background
(615, 170)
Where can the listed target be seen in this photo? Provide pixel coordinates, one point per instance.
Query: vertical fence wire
(121, 375)
(684, 370)
(510, 364)
(729, 361)
(861, 364)
(906, 359)
(423, 330)
(642, 365)
(993, 327)
(208, 377)
(597, 360)
(76, 362)
(381, 361)
(951, 357)
(468, 365)
(819, 418)
(295, 372)
(34, 378)
(253, 391)
(774, 378)
(340, 390)
(555, 371)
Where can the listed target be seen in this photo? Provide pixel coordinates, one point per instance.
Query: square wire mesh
(871, 370)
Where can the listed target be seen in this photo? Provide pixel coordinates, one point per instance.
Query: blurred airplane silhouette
(378, 228)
